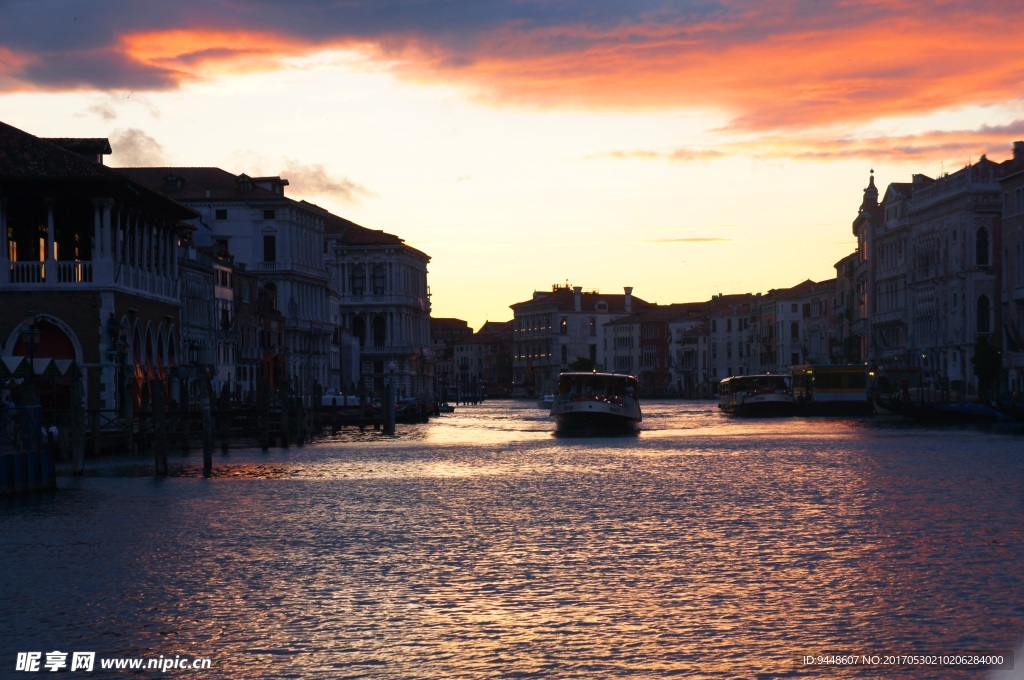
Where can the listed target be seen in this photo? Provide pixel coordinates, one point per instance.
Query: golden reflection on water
(706, 547)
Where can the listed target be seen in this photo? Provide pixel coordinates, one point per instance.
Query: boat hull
(766, 406)
(592, 402)
(593, 416)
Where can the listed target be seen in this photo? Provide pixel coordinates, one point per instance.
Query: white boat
(596, 401)
(756, 395)
(546, 401)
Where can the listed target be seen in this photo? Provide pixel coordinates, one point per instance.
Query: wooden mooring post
(207, 421)
(159, 428)
(77, 427)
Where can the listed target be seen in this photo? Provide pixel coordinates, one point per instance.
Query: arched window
(794, 330)
(984, 314)
(359, 330)
(379, 280)
(380, 328)
(357, 280)
(981, 247)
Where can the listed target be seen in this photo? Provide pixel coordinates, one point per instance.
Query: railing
(74, 272)
(28, 272)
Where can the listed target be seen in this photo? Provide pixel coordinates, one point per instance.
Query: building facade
(89, 259)
(383, 306)
(555, 329)
(1012, 273)
(279, 240)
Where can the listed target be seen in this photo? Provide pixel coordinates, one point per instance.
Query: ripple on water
(482, 546)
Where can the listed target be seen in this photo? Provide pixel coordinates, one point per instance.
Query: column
(5, 255)
(51, 265)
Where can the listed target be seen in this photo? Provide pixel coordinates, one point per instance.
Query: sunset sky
(682, 148)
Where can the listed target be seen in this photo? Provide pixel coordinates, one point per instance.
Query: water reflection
(480, 545)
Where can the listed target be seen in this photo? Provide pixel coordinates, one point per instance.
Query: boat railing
(606, 398)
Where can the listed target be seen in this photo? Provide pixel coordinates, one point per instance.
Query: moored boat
(831, 390)
(546, 401)
(596, 401)
(756, 395)
(949, 412)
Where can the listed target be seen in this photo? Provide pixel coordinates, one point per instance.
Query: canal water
(481, 545)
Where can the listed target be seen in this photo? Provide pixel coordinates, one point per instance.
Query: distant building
(688, 348)
(730, 341)
(1012, 287)
(384, 306)
(846, 345)
(445, 334)
(484, 360)
(556, 328)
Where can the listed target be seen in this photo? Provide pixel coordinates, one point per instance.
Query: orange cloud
(780, 66)
(954, 145)
(775, 78)
(196, 54)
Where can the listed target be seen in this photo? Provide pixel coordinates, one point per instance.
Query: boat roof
(756, 375)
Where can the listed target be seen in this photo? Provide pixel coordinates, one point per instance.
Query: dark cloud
(101, 69)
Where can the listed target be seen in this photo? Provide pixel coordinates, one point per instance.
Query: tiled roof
(448, 324)
(349, 233)
(565, 300)
(93, 145)
(201, 184)
(27, 157)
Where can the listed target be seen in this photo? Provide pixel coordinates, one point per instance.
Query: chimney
(628, 300)
(577, 300)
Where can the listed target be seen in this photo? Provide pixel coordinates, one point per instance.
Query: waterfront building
(689, 355)
(889, 309)
(792, 307)
(1012, 272)
(622, 344)
(928, 263)
(89, 260)
(953, 222)
(846, 345)
(818, 332)
(484, 361)
(659, 373)
(869, 214)
(383, 306)
(730, 338)
(445, 333)
(279, 240)
(558, 327)
(762, 358)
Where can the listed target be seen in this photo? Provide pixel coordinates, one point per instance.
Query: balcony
(60, 275)
(349, 301)
(888, 317)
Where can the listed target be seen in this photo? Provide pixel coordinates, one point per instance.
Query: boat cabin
(609, 387)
